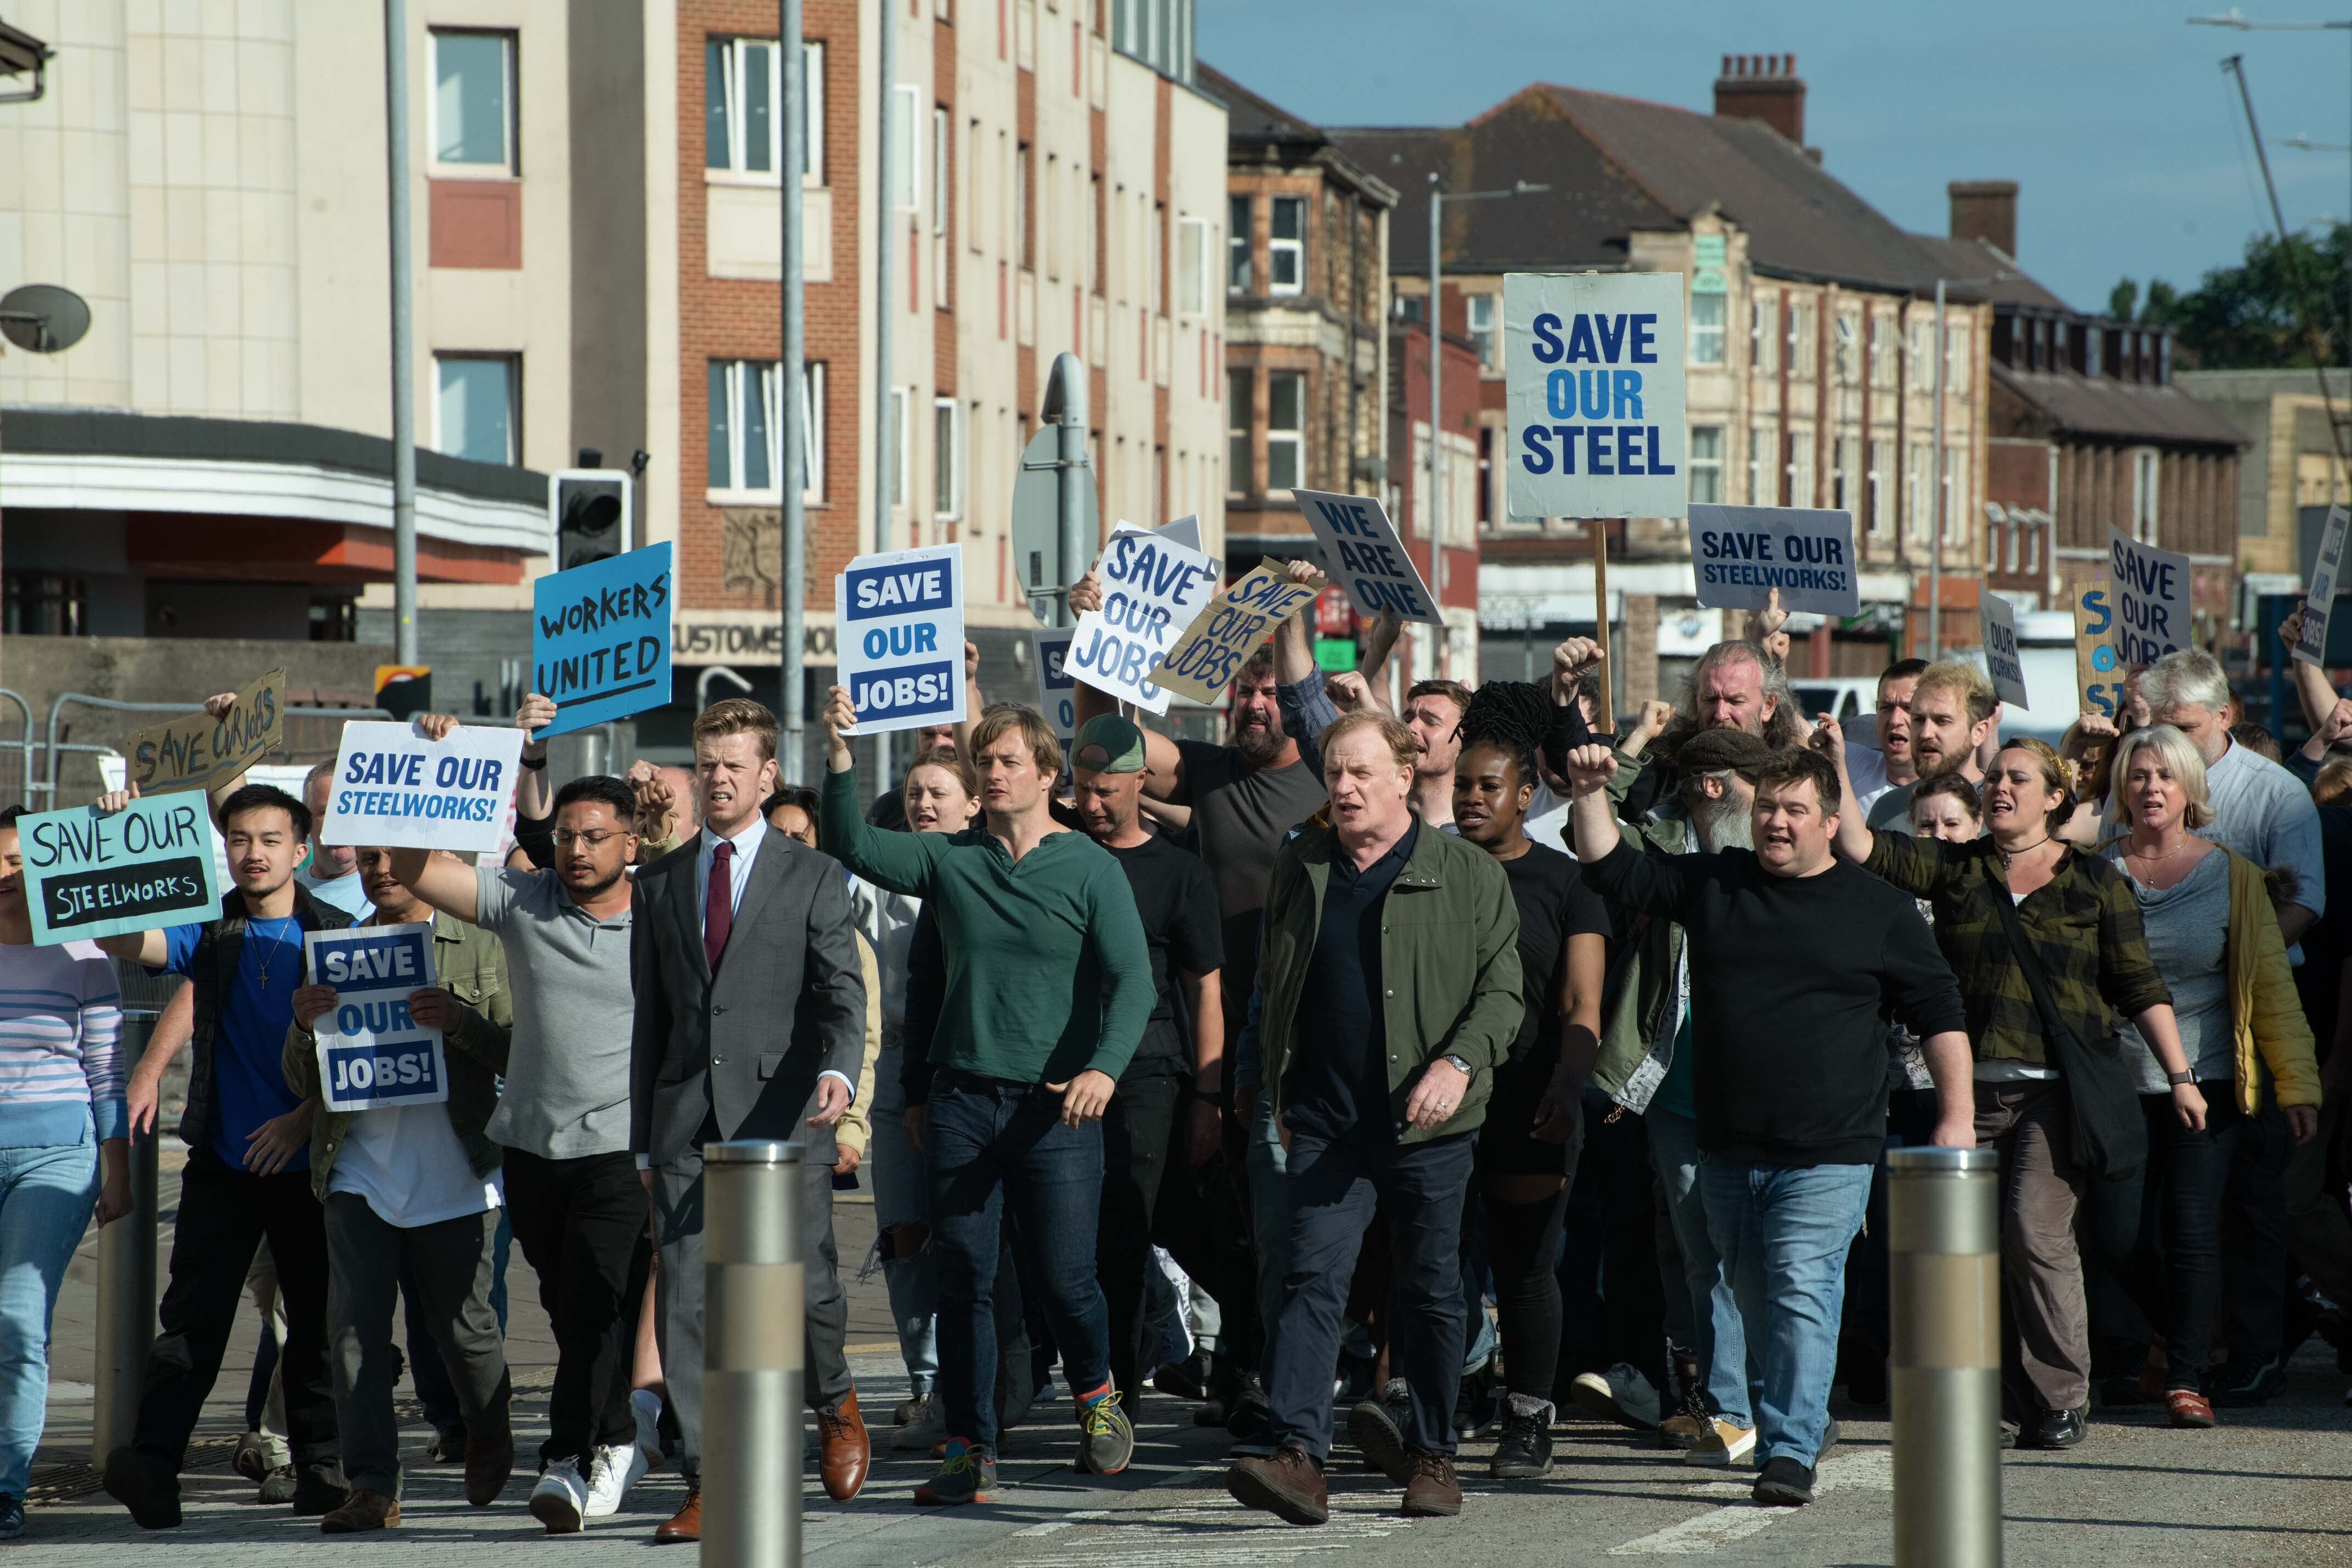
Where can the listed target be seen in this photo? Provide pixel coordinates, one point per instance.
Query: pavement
(2271, 1485)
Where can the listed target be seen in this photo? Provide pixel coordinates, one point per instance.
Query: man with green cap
(1165, 1085)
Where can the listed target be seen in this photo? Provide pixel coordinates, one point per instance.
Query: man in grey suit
(750, 1023)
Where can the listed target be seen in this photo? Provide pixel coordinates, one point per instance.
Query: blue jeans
(1721, 1341)
(990, 1143)
(46, 1199)
(1782, 1233)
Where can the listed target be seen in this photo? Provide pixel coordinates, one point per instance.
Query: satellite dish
(43, 318)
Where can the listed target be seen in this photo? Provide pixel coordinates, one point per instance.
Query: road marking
(1705, 1532)
(1205, 1535)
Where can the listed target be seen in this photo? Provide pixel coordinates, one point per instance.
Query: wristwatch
(1460, 1065)
(2177, 1079)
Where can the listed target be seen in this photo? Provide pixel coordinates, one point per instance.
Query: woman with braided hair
(1529, 1143)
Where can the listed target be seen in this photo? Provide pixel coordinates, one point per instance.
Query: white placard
(899, 616)
(1364, 555)
(1152, 589)
(2321, 599)
(1997, 623)
(372, 1053)
(1184, 530)
(394, 787)
(1741, 553)
(2150, 591)
(1056, 697)
(1594, 395)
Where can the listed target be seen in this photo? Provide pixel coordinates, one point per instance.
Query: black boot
(1524, 1450)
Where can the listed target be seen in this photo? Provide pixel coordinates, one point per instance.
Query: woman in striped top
(61, 1119)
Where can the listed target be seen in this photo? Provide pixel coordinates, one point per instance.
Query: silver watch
(1460, 1065)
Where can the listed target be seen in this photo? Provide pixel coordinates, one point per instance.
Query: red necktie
(718, 907)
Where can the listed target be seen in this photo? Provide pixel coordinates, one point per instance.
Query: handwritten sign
(392, 786)
(199, 750)
(1594, 395)
(2150, 588)
(1224, 636)
(2098, 673)
(89, 875)
(2321, 599)
(1057, 693)
(1153, 588)
(1742, 553)
(373, 1054)
(1364, 555)
(600, 638)
(1997, 625)
(902, 639)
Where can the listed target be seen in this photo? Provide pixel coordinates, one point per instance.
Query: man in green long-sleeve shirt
(1048, 988)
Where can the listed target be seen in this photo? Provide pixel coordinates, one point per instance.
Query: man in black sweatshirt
(1794, 963)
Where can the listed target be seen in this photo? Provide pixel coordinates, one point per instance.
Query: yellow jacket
(2265, 1014)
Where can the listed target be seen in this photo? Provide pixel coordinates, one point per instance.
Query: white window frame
(1192, 252)
(1799, 449)
(1294, 438)
(1875, 477)
(2148, 493)
(1478, 314)
(1705, 472)
(907, 185)
(1707, 338)
(1237, 242)
(508, 166)
(947, 459)
(1844, 359)
(1918, 484)
(1955, 490)
(1883, 371)
(1956, 356)
(902, 468)
(1802, 350)
(513, 364)
(812, 430)
(942, 168)
(1293, 248)
(1763, 464)
(1923, 355)
(1763, 338)
(1845, 458)
(735, 55)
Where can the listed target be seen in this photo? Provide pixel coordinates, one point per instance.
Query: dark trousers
(1135, 1129)
(2173, 1271)
(990, 1145)
(225, 1214)
(2253, 1237)
(580, 1223)
(1203, 1220)
(434, 1392)
(1869, 1291)
(1613, 1305)
(1332, 1187)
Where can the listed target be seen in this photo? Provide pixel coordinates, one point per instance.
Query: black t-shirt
(1177, 902)
(1554, 905)
(1340, 1083)
(1241, 814)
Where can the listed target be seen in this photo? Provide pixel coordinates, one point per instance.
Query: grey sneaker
(1109, 1440)
(966, 1475)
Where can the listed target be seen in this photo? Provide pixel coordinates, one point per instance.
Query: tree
(2123, 300)
(2263, 312)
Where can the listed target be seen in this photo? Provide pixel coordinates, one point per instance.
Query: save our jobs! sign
(1217, 643)
(2313, 647)
(394, 787)
(600, 638)
(1153, 590)
(1742, 553)
(1364, 555)
(2149, 589)
(87, 874)
(372, 1052)
(900, 615)
(1997, 622)
(198, 750)
(1055, 697)
(1594, 395)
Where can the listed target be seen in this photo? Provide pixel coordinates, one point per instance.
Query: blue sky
(2113, 115)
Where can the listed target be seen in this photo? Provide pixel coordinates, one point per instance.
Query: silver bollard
(1944, 1251)
(752, 1355)
(126, 1282)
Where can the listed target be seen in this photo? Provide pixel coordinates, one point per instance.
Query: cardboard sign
(372, 1054)
(1595, 394)
(1153, 590)
(1742, 553)
(2150, 588)
(392, 786)
(90, 876)
(2098, 673)
(199, 750)
(1057, 695)
(1997, 623)
(600, 639)
(2313, 648)
(900, 615)
(1364, 555)
(1221, 640)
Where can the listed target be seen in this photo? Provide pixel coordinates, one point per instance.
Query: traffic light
(588, 512)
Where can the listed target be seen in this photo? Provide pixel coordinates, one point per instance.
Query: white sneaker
(616, 1467)
(1724, 1444)
(926, 1428)
(1622, 1396)
(560, 1499)
(646, 1407)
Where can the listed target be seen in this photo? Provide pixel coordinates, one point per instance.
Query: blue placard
(600, 638)
(373, 1053)
(87, 874)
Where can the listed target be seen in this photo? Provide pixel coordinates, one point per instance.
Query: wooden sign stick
(1600, 526)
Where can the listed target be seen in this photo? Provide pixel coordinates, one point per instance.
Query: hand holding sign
(127, 865)
(1151, 590)
(900, 619)
(2150, 589)
(1222, 637)
(2311, 630)
(1367, 556)
(235, 731)
(1997, 624)
(374, 1049)
(601, 637)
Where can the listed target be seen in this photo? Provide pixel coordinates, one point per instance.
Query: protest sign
(2150, 588)
(1594, 396)
(1222, 637)
(1742, 553)
(392, 786)
(2313, 647)
(900, 615)
(197, 751)
(1185, 530)
(600, 639)
(88, 874)
(372, 1053)
(2098, 673)
(1997, 623)
(1364, 555)
(1055, 697)
(1153, 589)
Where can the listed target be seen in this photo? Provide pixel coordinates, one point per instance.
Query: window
(1800, 469)
(1238, 391)
(1956, 359)
(1876, 479)
(46, 605)
(1956, 491)
(1923, 355)
(1916, 484)
(1238, 221)
(474, 412)
(1803, 350)
(1763, 338)
(1193, 266)
(1480, 313)
(947, 459)
(902, 439)
(1156, 259)
(1847, 336)
(2147, 493)
(1409, 307)
(746, 429)
(1882, 351)
(907, 174)
(1288, 252)
(1705, 457)
(1845, 458)
(1706, 329)
(742, 130)
(1020, 206)
(1286, 430)
(942, 133)
(1760, 467)
(473, 103)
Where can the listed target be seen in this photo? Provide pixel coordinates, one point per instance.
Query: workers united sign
(1594, 363)
(600, 639)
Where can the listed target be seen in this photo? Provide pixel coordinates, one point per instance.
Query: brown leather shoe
(489, 1460)
(1289, 1485)
(1432, 1490)
(847, 1450)
(364, 1509)
(686, 1524)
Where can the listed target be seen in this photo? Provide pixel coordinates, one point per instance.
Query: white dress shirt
(739, 877)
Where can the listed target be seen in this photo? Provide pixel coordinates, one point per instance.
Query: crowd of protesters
(1388, 1073)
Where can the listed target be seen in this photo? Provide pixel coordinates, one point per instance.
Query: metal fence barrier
(1944, 1244)
(752, 1355)
(126, 1280)
(53, 746)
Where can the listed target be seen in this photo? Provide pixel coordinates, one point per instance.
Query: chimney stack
(1985, 210)
(1765, 88)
